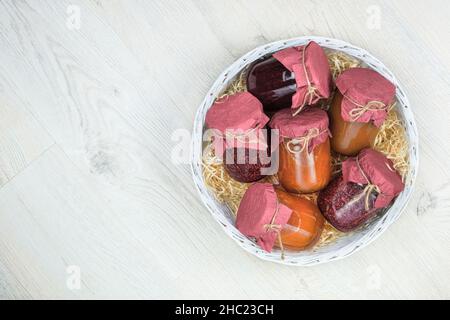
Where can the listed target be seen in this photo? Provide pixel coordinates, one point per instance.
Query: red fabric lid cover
(311, 120)
(259, 208)
(379, 170)
(240, 118)
(312, 72)
(365, 88)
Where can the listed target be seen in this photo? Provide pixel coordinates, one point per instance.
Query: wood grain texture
(86, 177)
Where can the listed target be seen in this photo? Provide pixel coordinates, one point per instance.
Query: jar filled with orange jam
(304, 150)
(349, 137)
(359, 108)
(274, 217)
(305, 224)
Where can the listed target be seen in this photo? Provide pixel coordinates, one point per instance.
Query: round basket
(346, 245)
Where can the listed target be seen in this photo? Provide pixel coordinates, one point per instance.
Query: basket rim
(378, 226)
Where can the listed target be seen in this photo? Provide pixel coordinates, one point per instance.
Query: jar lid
(310, 127)
(366, 95)
(310, 66)
(371, 167)
(261, 215)
(238, 118)
(239, 111)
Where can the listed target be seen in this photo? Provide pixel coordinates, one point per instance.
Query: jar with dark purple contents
(343, 204)
(244, 164)
(293, 77)
(367, 184)
(238, 123)
(271, 83)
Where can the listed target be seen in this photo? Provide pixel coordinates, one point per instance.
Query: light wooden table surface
(88, 107)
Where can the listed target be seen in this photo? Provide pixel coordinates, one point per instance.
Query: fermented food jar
(305, 224)
(359, 108)
(272, 84)
(294, 77)
(237, 125)
(276, 218)
(304, 150)
(367, 184)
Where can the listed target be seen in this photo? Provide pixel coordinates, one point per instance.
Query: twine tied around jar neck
(276, 228)
(300, 144)
(369, 187)
(360, 109)
(311, 90)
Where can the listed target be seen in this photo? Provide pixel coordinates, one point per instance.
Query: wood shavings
(339, 62)
(237, 85)
(393, 143)
(226, 190)
(336, 163)
(329, 235)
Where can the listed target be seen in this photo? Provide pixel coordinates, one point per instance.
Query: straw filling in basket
(391, 141)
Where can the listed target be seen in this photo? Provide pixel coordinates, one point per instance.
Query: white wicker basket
(344, 246)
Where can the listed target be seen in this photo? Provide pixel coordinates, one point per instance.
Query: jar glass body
(304, 172)
(305, 225)
(244, 165)
(343, 204)
(273, 84)
(348, 138)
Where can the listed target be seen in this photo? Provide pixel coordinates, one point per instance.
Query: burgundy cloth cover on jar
(312, 73)
(374, 166)
(261, 215)
(366, 95)
(312, 125)
(238, 120)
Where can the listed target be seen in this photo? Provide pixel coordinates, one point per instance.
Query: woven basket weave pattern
(346, 245)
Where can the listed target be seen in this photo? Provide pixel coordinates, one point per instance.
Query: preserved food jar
(359, 107)
(272, 84)
(304, 150)
(243, 165)
(294, 77)
(367, 184)
(238, 134)
(275, 217)
(344, 204)
(349, 137)
(305, 224)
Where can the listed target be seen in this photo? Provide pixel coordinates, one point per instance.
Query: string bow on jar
(360, 109)
(304, 150)
(309, 64)
(237, 125)
(274, 227)
(373, 170)
(367, 95)
(300, 144)
(261, 216)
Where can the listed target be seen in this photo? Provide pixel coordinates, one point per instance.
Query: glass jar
(273, 217)
(301, 171)
(236, 124)
(346, 205)
(244, 165)
(272, 84)
(348, 138)
(305, 224)
(367, 183)
(304, 149)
